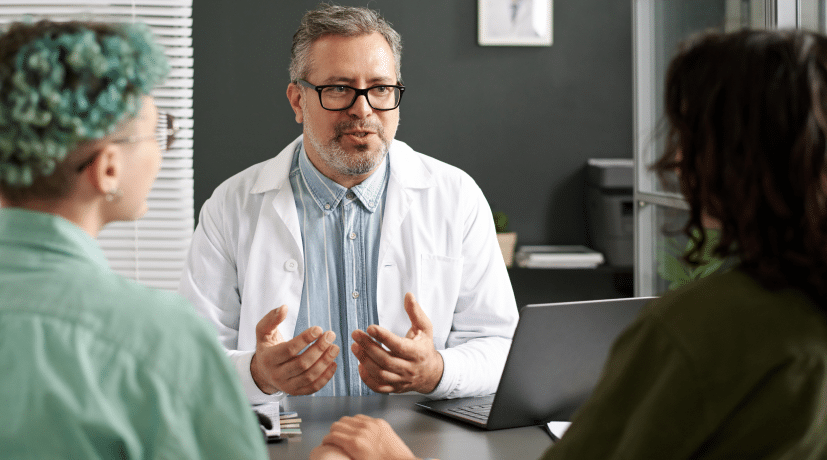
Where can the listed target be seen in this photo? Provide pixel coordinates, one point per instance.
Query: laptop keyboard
(478, 412)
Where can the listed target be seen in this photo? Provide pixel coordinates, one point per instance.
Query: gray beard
(347, 164)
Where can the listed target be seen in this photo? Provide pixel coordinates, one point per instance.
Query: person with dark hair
(94, 365)
(733, 365)
(342, 229)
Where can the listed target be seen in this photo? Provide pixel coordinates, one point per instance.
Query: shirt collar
(328, 194)
(51, 232)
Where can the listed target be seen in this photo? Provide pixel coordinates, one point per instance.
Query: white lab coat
(437, 241)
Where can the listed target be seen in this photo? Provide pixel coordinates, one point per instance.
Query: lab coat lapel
(285, 208)
(407, 174)
(397, 205)
(274, 182)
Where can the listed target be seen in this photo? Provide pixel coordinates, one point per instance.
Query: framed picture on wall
(514, 22)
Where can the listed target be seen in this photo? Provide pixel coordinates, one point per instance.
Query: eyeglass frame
(171, 130)
(357, 92)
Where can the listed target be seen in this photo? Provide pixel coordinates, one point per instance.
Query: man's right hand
(279, 365)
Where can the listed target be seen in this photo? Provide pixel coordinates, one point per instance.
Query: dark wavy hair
(748, 137)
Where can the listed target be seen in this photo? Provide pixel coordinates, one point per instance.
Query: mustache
(340, 129)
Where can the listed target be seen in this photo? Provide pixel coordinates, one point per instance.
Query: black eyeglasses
(165, 132)
(342, 97)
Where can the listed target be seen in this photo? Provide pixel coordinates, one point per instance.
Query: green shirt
(96, 366)
(720, 369)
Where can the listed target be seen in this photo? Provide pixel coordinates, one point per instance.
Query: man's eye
(339, 89)
(381, 89)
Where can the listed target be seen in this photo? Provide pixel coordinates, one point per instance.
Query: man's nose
(360, 108)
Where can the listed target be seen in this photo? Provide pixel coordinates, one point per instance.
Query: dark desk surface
(427, 435)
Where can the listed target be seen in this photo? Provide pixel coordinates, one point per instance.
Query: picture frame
(514, 22)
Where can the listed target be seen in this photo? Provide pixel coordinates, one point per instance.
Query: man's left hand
(410, 363)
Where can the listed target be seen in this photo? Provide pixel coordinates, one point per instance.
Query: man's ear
(294, 95)
(106, 172)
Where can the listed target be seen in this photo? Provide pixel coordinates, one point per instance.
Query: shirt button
(350, 195)
(291, 265)
(327, 206)
(355, 294)
(352, 235)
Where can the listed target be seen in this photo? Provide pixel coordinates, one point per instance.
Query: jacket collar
(406, 168)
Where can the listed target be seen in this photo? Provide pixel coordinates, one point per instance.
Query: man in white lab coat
(349, 230)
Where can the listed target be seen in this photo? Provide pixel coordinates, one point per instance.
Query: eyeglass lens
(342, 97)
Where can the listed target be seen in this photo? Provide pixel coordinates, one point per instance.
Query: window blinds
(152, 249)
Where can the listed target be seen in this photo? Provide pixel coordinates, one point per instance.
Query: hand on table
(410, 363)
(279, 365)
(328, 452)
(363, 438)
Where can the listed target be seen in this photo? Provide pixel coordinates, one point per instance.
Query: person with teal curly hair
(71, 84)
(95, 365)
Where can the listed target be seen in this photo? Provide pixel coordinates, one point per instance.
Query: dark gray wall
(521, 120)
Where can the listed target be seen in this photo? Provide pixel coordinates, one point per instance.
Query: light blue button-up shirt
(340, 231)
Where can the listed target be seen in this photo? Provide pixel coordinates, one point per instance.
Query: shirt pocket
(439, 286)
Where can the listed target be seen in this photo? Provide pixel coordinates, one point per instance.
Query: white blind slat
(177, 83)
(104, 3)
(181, 15)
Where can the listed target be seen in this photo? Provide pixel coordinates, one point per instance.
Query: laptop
(555, 360)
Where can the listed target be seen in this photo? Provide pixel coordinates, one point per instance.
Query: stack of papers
(289, 423)
(562, 256)
(285, 424)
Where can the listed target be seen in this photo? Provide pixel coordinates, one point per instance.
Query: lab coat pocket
(439, 285)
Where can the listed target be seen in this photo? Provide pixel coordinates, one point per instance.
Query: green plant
(678, 272)
(500, 222)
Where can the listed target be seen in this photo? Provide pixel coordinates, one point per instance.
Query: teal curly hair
(63, 83)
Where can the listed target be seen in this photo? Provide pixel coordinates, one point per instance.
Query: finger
(348, 424)
(305, 377)
(266, 329)
(359, 352)
(345, 424)
(378, 355)
(298, 386)
(376, 378)
(315, 352)
(373, 383)
(419, 320)
(365, 340)
(370, 346)
(341, 441)
(396, 346)
(383, 376)
(294, 346)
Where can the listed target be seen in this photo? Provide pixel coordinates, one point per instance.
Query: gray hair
(345, 21)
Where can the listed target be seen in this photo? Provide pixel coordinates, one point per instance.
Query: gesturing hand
(409, 363)
(363, 438)
(279, 365)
